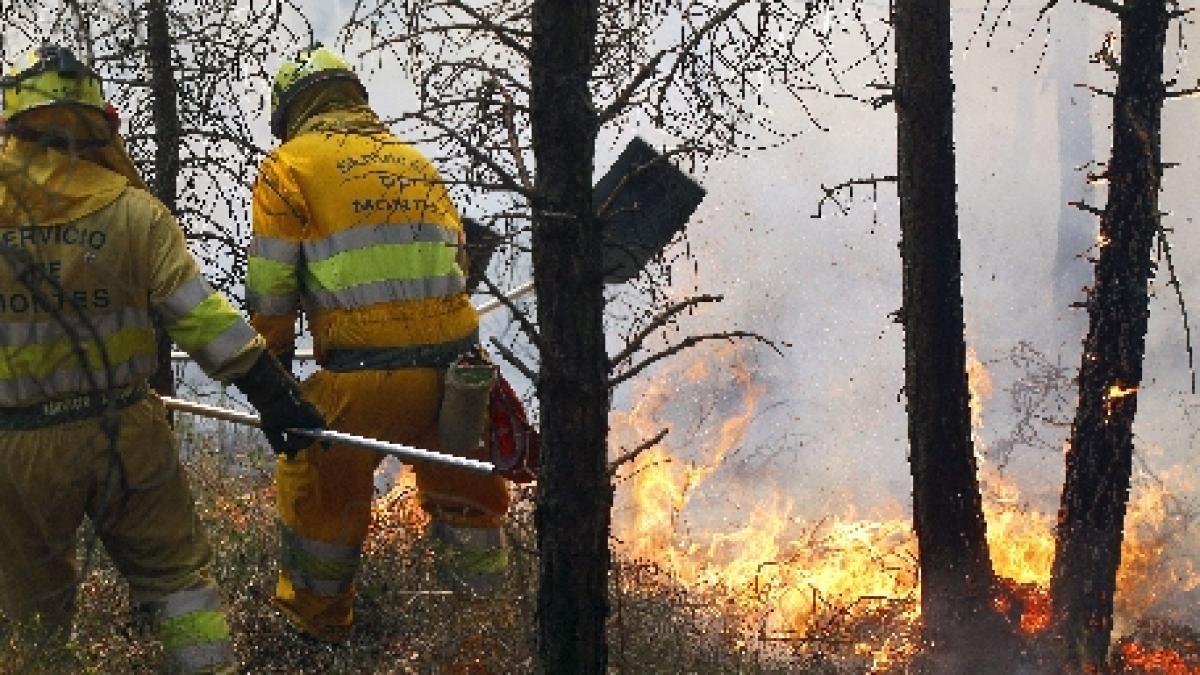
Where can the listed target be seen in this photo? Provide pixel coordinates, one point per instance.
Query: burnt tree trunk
(574, 491)
(956, 573)
(1100, 456)
(164, 103)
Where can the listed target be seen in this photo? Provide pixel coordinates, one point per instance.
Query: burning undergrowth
(709, 575)
(841, 592)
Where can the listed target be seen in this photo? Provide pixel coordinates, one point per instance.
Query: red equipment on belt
(514, 444)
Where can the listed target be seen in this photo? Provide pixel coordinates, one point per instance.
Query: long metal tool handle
(407, 453)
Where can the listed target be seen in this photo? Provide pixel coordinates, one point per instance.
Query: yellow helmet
(315, 64)
(50, 75)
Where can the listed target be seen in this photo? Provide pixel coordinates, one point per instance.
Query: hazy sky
(828, 285)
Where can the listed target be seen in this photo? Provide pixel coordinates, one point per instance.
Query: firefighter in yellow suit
(356, 227)
(88, 261)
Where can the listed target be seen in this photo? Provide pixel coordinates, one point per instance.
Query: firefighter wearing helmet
(356, 227)
(89, 263)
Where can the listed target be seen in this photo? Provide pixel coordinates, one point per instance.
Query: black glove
(276, 395)
(287, 359)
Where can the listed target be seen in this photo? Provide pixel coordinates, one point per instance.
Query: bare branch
(514, 360)
(665, 317)
(1185, 93)
(626, 457)
(1165, 253)
(1107, 5)
(1096, 90)
(504, 35)
(505, 177)
(651, 68)
(517, 313)
(1082, 206)
(831, 192)
(691, 341)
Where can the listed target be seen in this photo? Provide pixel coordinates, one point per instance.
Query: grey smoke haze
(828, 285)
(832, 417)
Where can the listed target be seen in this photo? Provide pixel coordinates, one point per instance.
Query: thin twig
(636, 342)
(526, 325)
(504, 35)
(651, 67)
(1107, 5)
(691, 341)
(831, 192)
(514, 360)
(1082, 206)
(1173, 282)
(633, 454)
(1097, 90)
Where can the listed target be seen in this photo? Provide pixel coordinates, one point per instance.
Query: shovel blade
(651, 202)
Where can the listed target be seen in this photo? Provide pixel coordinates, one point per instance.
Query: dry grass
(405, 622)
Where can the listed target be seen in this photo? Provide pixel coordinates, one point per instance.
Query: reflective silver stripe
(272, 304)
(321, 549)
(206, 657)
(184, 299)
(45, 332)
(27, 388)
(271, 248)
(326, 588)
(374, 235)
(387, 291)
(204, 599)
(470, 538)
(224, 347)
(296, 549)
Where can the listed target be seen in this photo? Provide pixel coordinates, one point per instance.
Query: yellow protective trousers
(138, 500)
(325, 494)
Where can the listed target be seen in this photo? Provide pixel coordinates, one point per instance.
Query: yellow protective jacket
(85, 255)
(357, 228)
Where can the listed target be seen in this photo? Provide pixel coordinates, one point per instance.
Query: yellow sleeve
(198, 318)
(279, 214)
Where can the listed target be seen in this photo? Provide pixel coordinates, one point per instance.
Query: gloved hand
(276, 395)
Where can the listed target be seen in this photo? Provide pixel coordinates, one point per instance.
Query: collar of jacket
(355, 119)
(43, 186)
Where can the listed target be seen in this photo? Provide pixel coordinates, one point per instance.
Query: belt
(394, 358)
(71, 409)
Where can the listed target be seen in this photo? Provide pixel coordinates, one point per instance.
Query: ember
(1158, 647)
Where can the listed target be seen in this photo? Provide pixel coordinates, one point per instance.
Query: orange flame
(1116, 392)
(845, 579)
(1157, 661)
(396, 517)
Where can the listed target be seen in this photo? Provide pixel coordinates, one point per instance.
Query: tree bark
(164, 98)
(574, 491)
(1100, 456)
(956, 573)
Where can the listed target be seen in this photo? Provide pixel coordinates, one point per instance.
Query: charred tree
(575, 492)
(956, 573)
(164, 105)
(1099, 459)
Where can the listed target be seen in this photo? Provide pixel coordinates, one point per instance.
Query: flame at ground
(845, 579)
(397, 519)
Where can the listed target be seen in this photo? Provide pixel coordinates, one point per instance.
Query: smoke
(831, 427)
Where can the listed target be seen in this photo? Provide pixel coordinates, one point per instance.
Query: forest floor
(405, 623)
